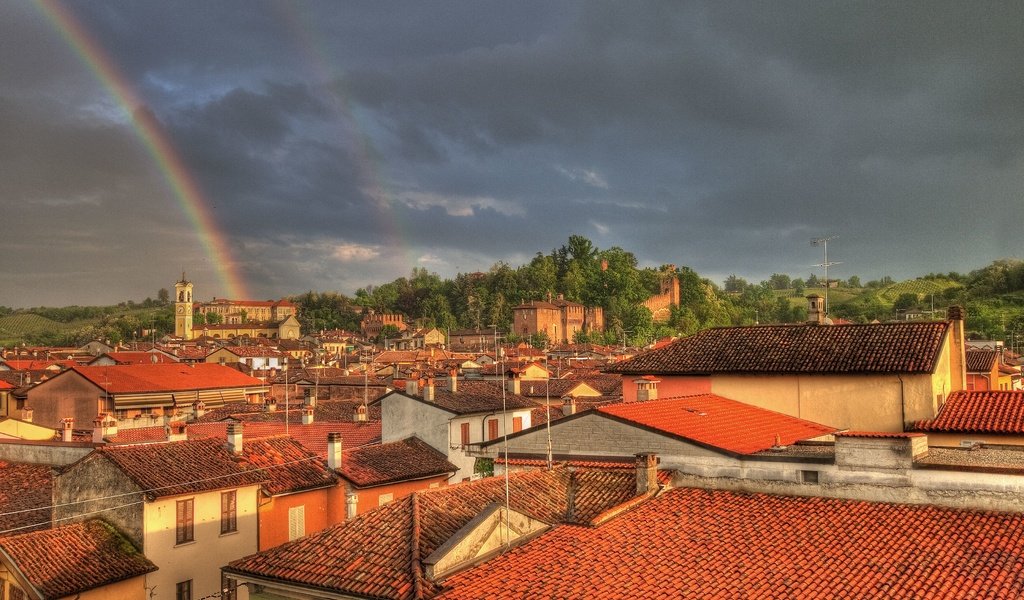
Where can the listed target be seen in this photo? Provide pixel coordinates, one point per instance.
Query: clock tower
(183, 308)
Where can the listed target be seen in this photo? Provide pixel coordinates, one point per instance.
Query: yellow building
(187, 505)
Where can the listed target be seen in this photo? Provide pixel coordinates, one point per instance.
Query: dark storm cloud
(340, 145)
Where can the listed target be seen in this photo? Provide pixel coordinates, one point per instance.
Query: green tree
(780, 281)
(163, 296)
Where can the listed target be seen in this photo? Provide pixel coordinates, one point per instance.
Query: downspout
(903, 405)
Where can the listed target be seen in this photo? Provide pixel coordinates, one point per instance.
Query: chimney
(568, 406)
(957, 348)
(428, 390)
(307, 397)
(176, 431)
(307, 415)
(97, 430)
(271, 404)
(453, 381)
(26, 414)
(646, 388)
(199, 409)
(412, 386)
(513, 384)
(815, 309)
(334, 446)
(646, 472)
(351, 505)
(360, 415)
(103, 426)
(67, 425)
(235, 438)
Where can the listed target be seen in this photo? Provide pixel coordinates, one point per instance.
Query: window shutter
(296, 522)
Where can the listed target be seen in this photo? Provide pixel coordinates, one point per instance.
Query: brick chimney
(646, 388)
(103, 426)
(957, 348)
(453, 380)
(334, 447)
(815, 309)
(646, 472)
(174, 428)
(235, 438)
(513, 384)
(67, 426)
(307, 415)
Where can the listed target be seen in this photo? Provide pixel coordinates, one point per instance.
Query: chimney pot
(360, 414)
(453, 381)
(568, 406)
(66, 428)
(514, 385)
(235, 438)
(334, 447)
(307, 415)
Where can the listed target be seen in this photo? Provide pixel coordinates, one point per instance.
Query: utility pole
(823, 242)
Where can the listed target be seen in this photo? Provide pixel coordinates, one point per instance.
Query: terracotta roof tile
(288, 466)
(313, 436)
(691, 543)
(176, 468)
(876, 348)
(404, 460)
(477, 397)
(986, 411)
(981, 361)
(75, 558)
(25, 497)
(378, 553)
(718, 422)
(121, 379)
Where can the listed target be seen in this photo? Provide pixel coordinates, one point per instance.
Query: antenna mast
(823, 242)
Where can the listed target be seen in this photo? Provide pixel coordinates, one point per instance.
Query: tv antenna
(823, 242)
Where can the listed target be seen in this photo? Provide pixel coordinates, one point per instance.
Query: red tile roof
(75, 558)
(288, 466)
(717, 422)
(691, 543)
(779, 349)
(405, 460)
(378, 553)
(25, 497)
(176, 468)
(313, 436)
(986, 411)
(878, 434)
(476, 397)
(981, 361)
(138, 358)
(124, 379)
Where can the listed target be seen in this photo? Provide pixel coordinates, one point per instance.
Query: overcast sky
(342, 144)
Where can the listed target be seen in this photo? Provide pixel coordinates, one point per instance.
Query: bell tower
(183, 308)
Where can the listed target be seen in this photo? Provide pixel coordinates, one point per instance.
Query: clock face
(181, 309)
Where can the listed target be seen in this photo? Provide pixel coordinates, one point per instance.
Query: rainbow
(184, 185)
(305, 31)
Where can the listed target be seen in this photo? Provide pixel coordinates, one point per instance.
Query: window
(517, 424)
(228, 512)
(465, 434)
(808, 476)
(185, 525)
(296, 522)
(183, 590)
(492, 429)
(385, 499)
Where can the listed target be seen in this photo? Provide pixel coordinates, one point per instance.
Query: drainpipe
(903, 404)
